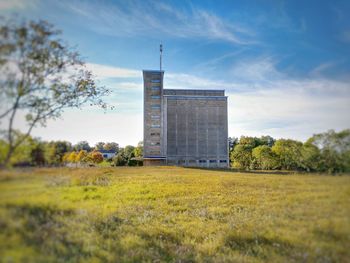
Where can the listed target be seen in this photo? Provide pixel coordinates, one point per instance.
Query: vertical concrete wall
(197, 130)
(152, 118)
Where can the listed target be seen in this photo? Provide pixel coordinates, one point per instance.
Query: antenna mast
(160, 59)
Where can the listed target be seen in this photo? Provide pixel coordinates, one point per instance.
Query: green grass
(157, 214)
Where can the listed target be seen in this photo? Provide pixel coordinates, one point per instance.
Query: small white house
(108, 154)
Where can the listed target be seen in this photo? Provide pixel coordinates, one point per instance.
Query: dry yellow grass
(172, 214)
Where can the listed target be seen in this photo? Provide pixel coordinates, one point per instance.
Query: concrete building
(184, 127)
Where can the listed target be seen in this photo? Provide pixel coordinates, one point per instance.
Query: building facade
(184, 127)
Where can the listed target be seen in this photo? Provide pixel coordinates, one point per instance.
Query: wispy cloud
(256, 70)
(320, 69)
(153, 18)
(17, 4)
(293, 112)
(104, 71)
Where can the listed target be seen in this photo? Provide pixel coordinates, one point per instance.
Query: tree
(37, 154)
(129, 151)
(72, 158)
(241, 157)
(120, 159)
(311, 156)
(83, 145)
(111, 146)
(288, 153)
(138, 151)
(3, 150)
(267, 140)
(99, 146)
(124, 156)
(264, 158)
(232, 142)
(82, 156)
(65, 157)
(96, 157)
(55, 151)
(334, 149)
(40, 76)
(250, 142)
(22, 154)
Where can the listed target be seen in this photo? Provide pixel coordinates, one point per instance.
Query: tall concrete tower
(153, 142)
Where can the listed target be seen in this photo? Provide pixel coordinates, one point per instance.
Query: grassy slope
(172, 214)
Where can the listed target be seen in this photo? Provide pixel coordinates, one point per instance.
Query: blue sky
(284, 64)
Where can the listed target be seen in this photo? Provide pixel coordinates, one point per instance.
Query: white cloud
(292, 113)
(153, 18)
(94, 126)
(129, 85)
(255, 70)
(104, 71)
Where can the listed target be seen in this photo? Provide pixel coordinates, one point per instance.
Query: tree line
(325, 152)
(36, 152)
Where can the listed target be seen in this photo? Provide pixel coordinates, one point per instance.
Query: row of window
(205, 161)
(156, 88)
(155, 126)
(155, 80)
(155, 97)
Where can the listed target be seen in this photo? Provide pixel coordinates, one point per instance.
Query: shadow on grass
(262, 247)
(231, 170)
(46, 229)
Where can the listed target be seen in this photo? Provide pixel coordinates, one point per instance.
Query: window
(155, 80)
(223, 161)
(155, 134)
(155, 126)
(155, 117)
(155, 97)
(212, 161)
(156, 88)
(155, 107)
(155, 143)
(202, 161)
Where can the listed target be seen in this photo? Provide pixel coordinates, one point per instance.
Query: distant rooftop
(193, 92)
(107, 151)
(153, 70)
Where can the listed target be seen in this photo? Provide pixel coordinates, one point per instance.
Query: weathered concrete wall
(196, 130)
(152, 109)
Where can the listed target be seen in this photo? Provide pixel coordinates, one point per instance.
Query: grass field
(172, 214)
